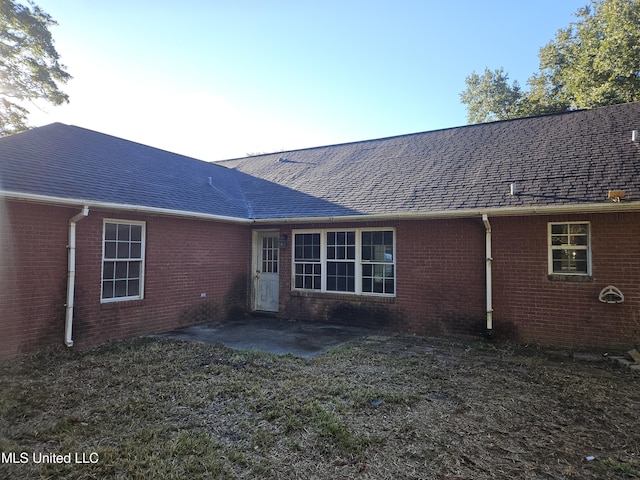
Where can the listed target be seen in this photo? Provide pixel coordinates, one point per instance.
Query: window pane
(559, 229)
(123, 250)
(110, 250)
(569, 261)
(331, 253)
(136, 250)
(121, 288)
(107, 289)
(124, 232)
(134, 269)
(136, 233)
(121, 270)
(110, 231)
(108, 270)
(133, 288)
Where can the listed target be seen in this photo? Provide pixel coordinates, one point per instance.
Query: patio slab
(272, 335)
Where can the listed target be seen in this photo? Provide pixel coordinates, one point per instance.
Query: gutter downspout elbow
(71, 275)
(489, 280)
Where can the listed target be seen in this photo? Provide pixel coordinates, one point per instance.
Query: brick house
(528, 229)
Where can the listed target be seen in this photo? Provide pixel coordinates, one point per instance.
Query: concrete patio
(272, 335)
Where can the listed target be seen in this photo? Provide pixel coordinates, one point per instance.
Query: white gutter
(99, 205)
(489, 280)
(462, 213)
(71, 277)
(459, 213)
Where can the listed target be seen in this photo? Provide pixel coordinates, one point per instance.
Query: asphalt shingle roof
(71, 162)
(562, 159)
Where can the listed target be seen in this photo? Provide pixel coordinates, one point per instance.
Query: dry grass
(384, 407)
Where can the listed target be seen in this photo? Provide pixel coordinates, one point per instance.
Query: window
(341, 261)
(307, 261)
(122, 260)
(569, 248)
(348, 261)
(377, 262)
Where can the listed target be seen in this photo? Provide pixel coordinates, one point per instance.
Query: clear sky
(221, 79)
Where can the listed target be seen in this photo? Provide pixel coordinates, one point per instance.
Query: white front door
(267, 266)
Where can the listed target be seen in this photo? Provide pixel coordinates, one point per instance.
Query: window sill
(112, 305)
(570, 278)
(343, 296)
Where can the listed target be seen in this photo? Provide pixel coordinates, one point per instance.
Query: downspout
(489, 259)
(71, 276)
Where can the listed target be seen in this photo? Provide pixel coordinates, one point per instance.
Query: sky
(222, 79)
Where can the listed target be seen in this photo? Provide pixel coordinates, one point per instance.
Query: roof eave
(582, 208)
(100, 205)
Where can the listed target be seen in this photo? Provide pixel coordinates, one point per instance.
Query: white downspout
(489, 281)
(71, 276)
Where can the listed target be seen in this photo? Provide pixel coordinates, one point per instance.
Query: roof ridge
(457, 127)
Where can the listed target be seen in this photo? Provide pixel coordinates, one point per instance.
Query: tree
(593, 62)
(30, 67)
(491, 97)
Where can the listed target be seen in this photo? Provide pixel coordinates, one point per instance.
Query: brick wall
(531, 307)
(33, 266)
(440, 286)
(439, 281)
(184, 259)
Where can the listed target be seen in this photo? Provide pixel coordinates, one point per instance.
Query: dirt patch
(383, 407)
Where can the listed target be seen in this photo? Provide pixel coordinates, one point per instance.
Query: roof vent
(211, 181)
(635, 135)
(513, 189)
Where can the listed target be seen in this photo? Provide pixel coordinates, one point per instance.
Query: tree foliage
(30, 67)
(593, 62)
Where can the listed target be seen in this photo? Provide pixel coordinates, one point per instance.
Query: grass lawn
(383, 407)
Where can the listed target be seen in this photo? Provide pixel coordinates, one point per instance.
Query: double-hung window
(569, 248)
(357, 261)
(341, 261)
(122, 260)
(307, 262)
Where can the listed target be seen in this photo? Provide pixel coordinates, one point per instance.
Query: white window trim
(142, 258)
(358, 261)
(551, 248)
